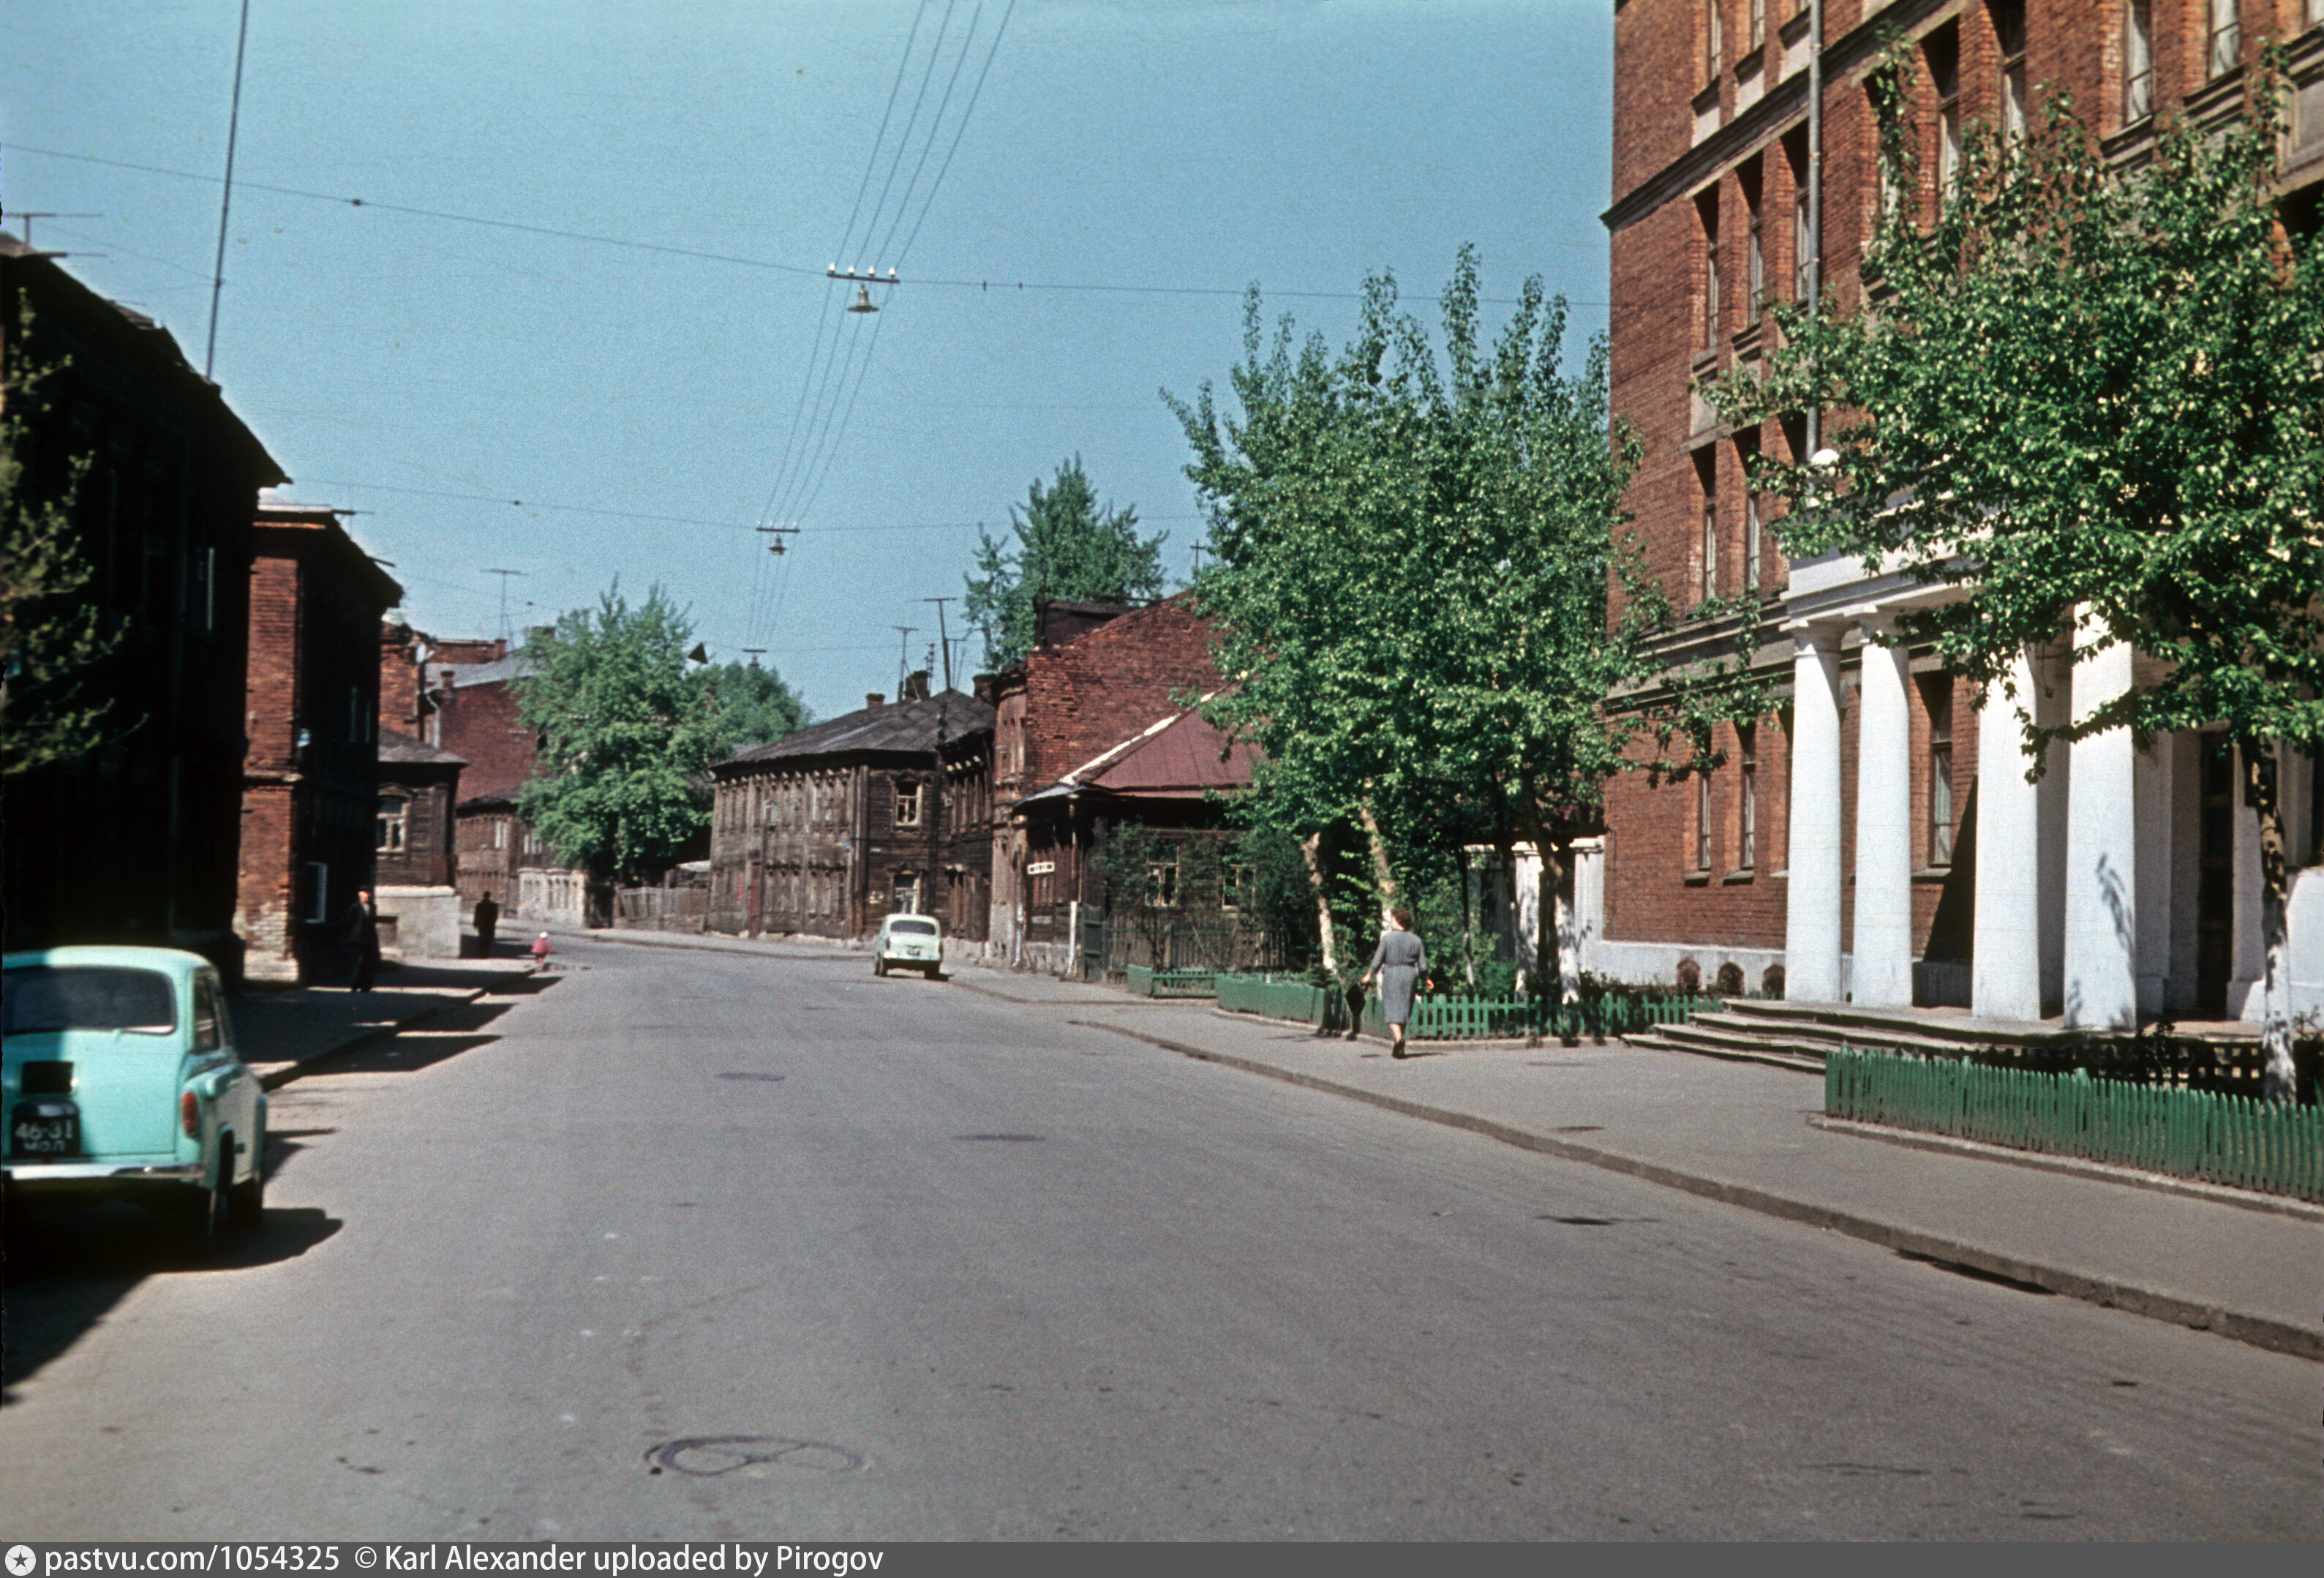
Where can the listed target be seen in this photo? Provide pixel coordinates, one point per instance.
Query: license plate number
(44, 1129)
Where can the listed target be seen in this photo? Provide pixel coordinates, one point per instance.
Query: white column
(1883, 826)
(2101, 953)
(2006, 977)
(1811, 904)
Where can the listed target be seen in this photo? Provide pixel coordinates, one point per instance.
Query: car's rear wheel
(202, 1219)
(879, 966)
(247, 1200)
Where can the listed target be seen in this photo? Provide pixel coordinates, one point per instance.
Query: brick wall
(1691, 170)
(1093, 692)
(479, 723)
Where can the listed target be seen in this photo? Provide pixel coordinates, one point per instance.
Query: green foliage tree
(50, 633)
(754, 706)
(1415, 574)
(2093, 401)
(1066, 545)
(625, 733)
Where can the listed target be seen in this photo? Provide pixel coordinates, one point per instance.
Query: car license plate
(44, 1129)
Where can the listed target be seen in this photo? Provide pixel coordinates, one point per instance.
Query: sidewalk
(2245, 1266)
(282, 1032)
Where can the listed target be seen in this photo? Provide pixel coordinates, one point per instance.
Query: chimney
(915, 685)
(873, 699)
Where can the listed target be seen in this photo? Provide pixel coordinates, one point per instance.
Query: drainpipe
(1815, 192)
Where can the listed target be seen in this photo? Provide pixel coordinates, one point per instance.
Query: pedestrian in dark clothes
(1400, 961)
(488, 920)
(363, 931)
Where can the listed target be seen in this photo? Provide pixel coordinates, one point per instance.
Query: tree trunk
(1548, 934)
(2258, 757)
(1311, 848)
(1383, 874)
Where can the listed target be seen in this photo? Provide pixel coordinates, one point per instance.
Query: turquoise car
(119, 1077)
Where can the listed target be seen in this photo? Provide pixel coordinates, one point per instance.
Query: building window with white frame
(2009, 35)
(908, 803)
(1707, 212)
(1943, 53)
(2225, 49)
(2138, 58)
(1714, 42)
(1937, 697)
(1707, 572)
(1747, 758)
(394, 823)
(1701, 820)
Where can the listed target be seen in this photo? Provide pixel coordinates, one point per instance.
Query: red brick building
(309, 781)
(1836, 851)
(134, 840)
(1099, 676)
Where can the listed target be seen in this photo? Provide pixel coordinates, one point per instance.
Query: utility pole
(226, 200)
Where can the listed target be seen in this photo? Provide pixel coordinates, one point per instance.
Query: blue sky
(1074, 233)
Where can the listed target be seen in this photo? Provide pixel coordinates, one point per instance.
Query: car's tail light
(189, 1114)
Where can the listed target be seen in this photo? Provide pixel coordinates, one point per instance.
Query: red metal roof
(1185, 759)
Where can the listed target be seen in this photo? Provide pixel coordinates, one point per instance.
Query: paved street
(689, 1244)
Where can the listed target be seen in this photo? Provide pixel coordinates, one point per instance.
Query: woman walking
(1400, 961)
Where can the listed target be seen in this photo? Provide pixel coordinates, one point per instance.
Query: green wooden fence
(1463, 1018)
(2274, 1149)
(1146, 981)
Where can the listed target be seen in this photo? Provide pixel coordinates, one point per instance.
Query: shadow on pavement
(67, 1268)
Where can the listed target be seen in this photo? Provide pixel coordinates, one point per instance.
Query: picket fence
(2276, 1148)
(1461, 1019)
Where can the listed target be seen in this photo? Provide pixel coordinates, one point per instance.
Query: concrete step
(1774, 1054)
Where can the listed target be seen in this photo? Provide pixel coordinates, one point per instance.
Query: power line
(983, 286)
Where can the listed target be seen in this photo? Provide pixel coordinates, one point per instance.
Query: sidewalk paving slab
(2244, 1266)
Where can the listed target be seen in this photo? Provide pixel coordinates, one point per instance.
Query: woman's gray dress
(1400, 960)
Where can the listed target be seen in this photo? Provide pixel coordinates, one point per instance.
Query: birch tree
(1413, 563)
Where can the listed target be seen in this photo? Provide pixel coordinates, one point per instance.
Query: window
(1706, 467)
(908, 803)
(1714, 42)
(1758, 26)
(1162, 882)
(1701, 821)
(1802, 252)
(1751, 534)
(1747, 755)
(1706, 209)
(1937, 696)
(2009, 35)
(1237, 885)
(2227, 45)
(1943, 49)
(2138, 58)
(315, 881)
(393, 824)
(1756, 257)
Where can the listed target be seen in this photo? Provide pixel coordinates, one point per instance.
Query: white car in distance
(909, 942)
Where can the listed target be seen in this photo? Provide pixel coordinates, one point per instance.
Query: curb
(274, 1079)
(2073, 1166)
(2305, 1341)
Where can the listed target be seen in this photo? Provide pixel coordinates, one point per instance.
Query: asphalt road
(698, 1245)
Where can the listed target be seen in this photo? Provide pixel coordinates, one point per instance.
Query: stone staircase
(1797, 1035)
